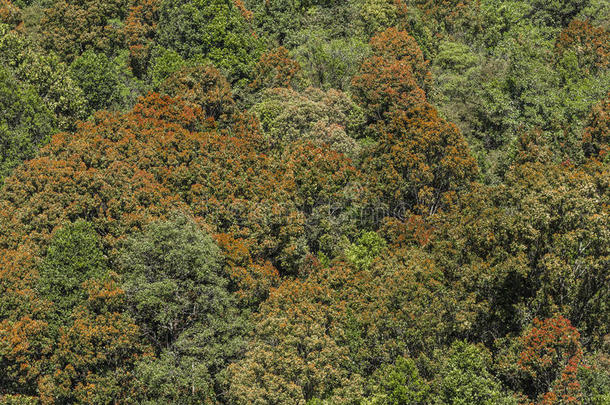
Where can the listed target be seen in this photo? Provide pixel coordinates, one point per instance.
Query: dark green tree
(210, 31)
(74, 256)
(97, 75)
(25, 122)
(178, 294)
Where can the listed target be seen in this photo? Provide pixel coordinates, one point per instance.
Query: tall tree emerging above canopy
(420, 160)
(396, 76)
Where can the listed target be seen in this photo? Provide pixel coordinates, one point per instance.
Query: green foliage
(331, 117)
(366, 249)
(96, 74)
(400, 384)
(163, 64)
(74, 256)
(519, 240)
(178, 295)
(25, 122)
(211, 31)
(556, 13)
(595, 378)
(464, 378)
(377, 15)
(296, 210)
(330, 63)
(46, 74)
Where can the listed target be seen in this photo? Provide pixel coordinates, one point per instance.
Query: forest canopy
(313, 202)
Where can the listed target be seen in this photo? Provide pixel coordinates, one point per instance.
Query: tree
(396, 76)
(596, 137)
(400, 384)
(205, 87)
(94, 357)
(556, 13)
(419, 160)
(368, 246)
(9, 13)
(530, 247)
(46, 75)
(71, 27)
(447, 17)
(323, 178)
(314, 115)
(549, 355)
(399, 45)
(465, 378)
(178, 295)
(24, 341)
(140, 33)
(211, 31)
(73, 257)
(275, 69)
(420, 163)
(25, 123)
(98, 76)
(588, 43)
(321, 337)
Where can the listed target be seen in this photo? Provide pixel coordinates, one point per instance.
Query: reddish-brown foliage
(383, 85)
(140, 28)
(247, 14)
(596, 137)
(590, 44)
(119, 172)
(551, 356)
(421, 161)
(204, 87)
(124, 170)
(71, 27)
(275, 69)
(94, 358)
(396, 76)
(394, 44)
(9, 13)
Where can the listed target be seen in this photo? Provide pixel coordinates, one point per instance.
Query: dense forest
(305, 202)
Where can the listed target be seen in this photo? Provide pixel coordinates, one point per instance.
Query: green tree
(25, 122)
(97, 75)
(46, 74)
(465, 379)
(74, 256)
(210, 31)
(400, 384)
(178, 294)
(366, 249)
